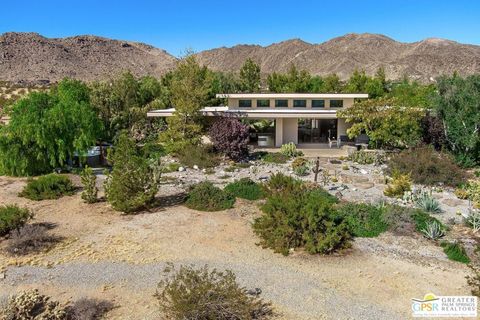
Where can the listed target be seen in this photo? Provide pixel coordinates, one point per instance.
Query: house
(302, 118)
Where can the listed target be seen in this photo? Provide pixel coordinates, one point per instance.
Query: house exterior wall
(290, 130)
(233, 103)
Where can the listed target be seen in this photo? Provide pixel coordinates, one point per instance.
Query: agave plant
(428, 203)
(433, 231)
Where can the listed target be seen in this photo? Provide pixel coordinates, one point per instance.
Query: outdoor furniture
(362, 141)
(331, 142)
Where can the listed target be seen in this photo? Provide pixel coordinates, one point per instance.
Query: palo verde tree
(45, 130)
(190, 85)
(250, 76)
(458, 106)
(385, 122)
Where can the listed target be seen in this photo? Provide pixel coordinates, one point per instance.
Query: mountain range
(32, 57)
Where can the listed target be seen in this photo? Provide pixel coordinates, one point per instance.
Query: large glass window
(263, 103)
(336, 103)
(299, 103)
(245, 103)
(281, 103)
(316, 130)
(318, 103)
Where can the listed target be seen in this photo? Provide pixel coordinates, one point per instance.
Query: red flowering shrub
(230, 137)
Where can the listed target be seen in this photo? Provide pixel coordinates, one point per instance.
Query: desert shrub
(365, 220)
(204, 196)
(428, 167)
(245, 188)
(230, 136)
(473, 220)
(400, 183)
(171, 167)
(300, 166)
(31, 238)
(290, 150)
(89, 182)
(428, 203)
(134, 181)
(31, 304)
(367, 157)
(455, 251)
(201, 156)
(303, 218)
(275, 157)
(191, 293)
(433, 231)
(399, 219)
(470, 191)
(89, 309)
(50, 186)
(422, 219)
(13, 217)
(474, 280)
(433, 131)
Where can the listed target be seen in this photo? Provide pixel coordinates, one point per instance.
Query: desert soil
(120, 258)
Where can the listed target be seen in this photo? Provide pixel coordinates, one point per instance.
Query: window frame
(244, 100)
(341, 102)
(266, 106)
(286, 103)
(304, 100)
(323, 106)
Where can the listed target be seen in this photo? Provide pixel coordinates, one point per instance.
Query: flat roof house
(301, 118)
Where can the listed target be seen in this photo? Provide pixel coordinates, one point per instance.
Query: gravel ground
(121, 258)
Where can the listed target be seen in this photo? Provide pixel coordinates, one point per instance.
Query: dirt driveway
(121, 258)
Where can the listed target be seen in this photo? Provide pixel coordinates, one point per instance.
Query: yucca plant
(428, 203)
(433, 231)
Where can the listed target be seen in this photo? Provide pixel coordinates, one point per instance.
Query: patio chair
(331, 142)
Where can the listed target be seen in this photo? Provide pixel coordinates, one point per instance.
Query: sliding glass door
(316, 130)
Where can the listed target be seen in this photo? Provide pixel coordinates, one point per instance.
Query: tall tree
(190, 86)
(458, 105)
(45, 130)
(250, 76)
(387, 123)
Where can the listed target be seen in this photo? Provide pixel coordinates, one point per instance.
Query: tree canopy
(45, 130)
(250, 76)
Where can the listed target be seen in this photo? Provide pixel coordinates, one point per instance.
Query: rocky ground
(120, 258)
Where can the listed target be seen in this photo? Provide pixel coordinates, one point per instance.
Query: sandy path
(121, 258)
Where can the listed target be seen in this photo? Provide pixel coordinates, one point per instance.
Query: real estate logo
(444, 306)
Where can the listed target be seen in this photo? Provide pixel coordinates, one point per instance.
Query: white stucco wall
(290, 130)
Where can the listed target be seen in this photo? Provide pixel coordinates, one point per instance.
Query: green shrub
(201, 156)
(470, 191)
(290, 150)
(399, 184)
(422, 220)
(203, 294)
(171, 167)
(50, 186)
(275, 157)
(32, 305)
(367, 157)
(365, 220)
(428, 167)
(12, 217)
(301, 166)
(455, 252)
(302, 218)
(204, 196)
(134, 180)
(245, 188)
(428, 203)
(89, 182)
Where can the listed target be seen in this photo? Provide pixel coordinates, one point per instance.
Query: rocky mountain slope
(32, 57)
(421, 60)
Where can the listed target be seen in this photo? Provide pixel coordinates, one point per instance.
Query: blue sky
(179, 25)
